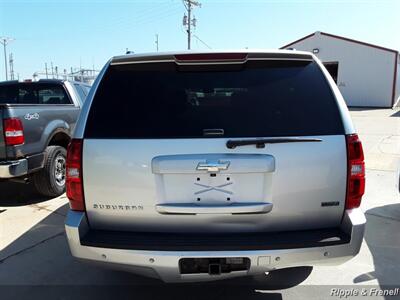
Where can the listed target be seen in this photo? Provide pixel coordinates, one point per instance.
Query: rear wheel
(50, 181)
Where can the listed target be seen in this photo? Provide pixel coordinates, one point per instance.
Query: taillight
(74, 182)
(355, 171)
(191, 57)
(13, 132)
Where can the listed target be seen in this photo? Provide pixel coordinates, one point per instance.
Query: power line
(134, 23)
(5, 41)
(204, 43)
(188, 21)
(141, 19)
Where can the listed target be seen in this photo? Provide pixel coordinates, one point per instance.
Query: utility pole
(5, 41)
(52, 70)
(157, 42)
(45, 67)
(11, 66)
(187, 20)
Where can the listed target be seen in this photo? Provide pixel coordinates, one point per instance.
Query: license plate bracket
(213, 265)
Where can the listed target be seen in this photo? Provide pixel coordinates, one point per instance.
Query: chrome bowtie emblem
(213, 166)
(218, 188)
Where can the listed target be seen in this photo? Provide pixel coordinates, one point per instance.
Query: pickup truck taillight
(13, 132)
(74, 184)
(355, 171)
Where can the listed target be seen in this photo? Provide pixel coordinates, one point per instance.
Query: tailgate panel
(125, 180)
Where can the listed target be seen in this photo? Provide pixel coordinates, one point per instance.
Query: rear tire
(50, 181)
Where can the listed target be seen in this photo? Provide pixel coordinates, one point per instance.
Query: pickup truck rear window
(33, 93)
(257, 99)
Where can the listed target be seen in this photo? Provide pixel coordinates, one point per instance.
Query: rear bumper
(164, 264)
(20, 167)
(15, 168)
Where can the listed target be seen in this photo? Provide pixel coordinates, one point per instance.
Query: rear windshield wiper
(260, 143)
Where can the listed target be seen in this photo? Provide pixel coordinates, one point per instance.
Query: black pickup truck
(36, 124)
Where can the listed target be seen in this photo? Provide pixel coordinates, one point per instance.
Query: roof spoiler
(209, 57)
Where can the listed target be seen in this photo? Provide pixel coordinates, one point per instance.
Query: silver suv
(201, 166)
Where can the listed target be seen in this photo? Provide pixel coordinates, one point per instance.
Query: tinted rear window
(33, 93)
(257, 99)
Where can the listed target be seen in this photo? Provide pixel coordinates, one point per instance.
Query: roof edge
(299, 40)
(341, 38)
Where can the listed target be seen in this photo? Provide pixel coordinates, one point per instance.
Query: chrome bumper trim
(15, 168)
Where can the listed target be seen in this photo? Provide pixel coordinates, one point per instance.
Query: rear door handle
(213, 166)
(234, 208)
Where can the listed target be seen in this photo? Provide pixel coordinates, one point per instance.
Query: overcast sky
(88, 32)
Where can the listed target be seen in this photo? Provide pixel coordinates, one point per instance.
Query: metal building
(366, 74)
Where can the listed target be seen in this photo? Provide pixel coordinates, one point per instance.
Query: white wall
(397, 98)
(365, 74)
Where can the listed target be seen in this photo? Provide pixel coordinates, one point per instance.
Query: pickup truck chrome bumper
(164, 265)
(15, 168)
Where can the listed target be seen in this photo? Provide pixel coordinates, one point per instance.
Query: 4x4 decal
(29, 116)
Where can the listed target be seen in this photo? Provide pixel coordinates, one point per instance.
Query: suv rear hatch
(204, 144)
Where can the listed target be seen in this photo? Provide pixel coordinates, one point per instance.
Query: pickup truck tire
(46, 181)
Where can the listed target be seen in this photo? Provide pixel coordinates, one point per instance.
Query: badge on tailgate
(213, 166)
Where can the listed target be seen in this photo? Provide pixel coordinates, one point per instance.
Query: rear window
(257, 99)
(33, 93)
